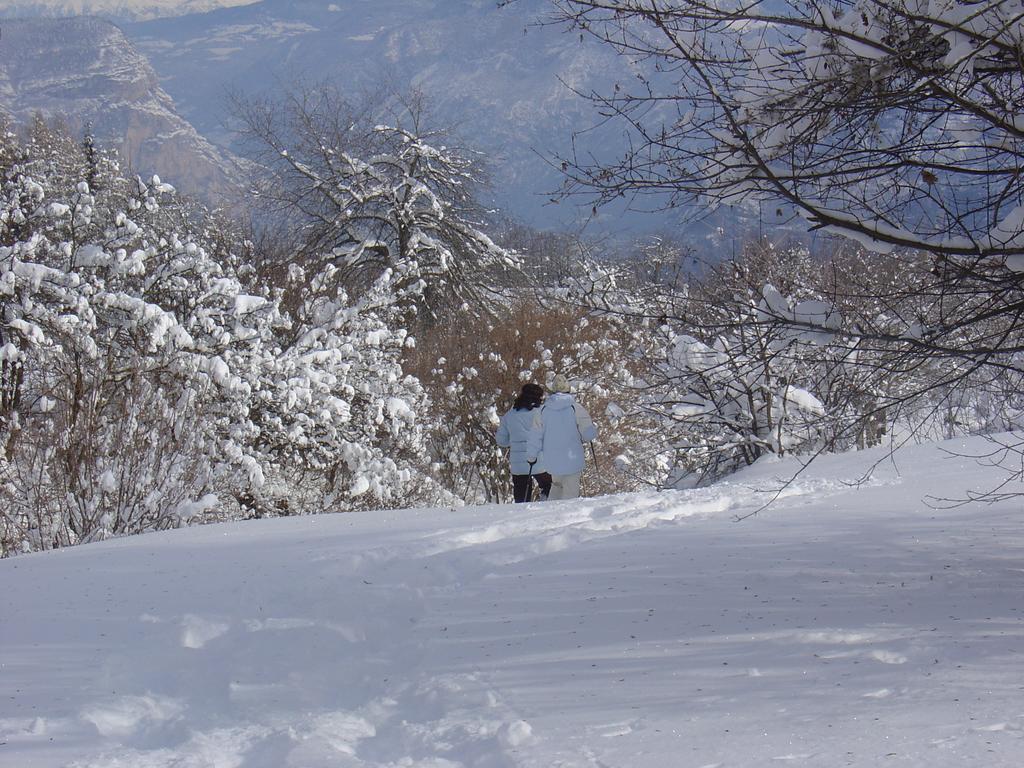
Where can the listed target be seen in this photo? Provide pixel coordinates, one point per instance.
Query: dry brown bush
(473, 369)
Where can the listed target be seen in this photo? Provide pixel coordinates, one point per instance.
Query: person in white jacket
(512, 433)
(561, 427)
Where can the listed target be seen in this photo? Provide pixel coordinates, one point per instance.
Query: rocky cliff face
(85, 71)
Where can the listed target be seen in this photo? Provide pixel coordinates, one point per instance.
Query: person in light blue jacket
(512, 433)
(560, 429)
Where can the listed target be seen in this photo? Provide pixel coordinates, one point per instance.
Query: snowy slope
(843, 626)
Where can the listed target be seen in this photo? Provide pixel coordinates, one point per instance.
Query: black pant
(522, 486)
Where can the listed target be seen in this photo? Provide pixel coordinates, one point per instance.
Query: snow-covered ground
(842, 626)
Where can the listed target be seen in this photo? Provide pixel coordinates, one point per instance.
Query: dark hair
(529, 398)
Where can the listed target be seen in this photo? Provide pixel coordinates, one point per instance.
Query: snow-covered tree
(371, 190)
(893, 374)
(726, 382)
(897, 124)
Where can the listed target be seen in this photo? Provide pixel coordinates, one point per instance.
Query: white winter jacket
(560, 428)
(512, 434)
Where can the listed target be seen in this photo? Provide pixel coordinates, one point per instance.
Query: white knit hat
(560, 383)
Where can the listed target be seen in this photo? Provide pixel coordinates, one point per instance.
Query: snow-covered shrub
(145, 384)
(779, 352)
(908, 325)
(732, 364)
(338, 419)
(111, 317)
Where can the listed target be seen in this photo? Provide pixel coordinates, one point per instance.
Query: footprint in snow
(613, 730)
(806, 756)
(888, 657)
(342, 731)
(836, 637)
(515, 734)
(123, 717)
(1013, 729)
(350, 633)
(197, 631)
(881, 693)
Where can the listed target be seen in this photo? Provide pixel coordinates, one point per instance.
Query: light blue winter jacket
(512, 433)
(560, 428)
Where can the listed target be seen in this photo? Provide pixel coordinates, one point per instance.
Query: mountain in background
(115, 9)
(503, 82)
(84, 71)
(509, 86)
